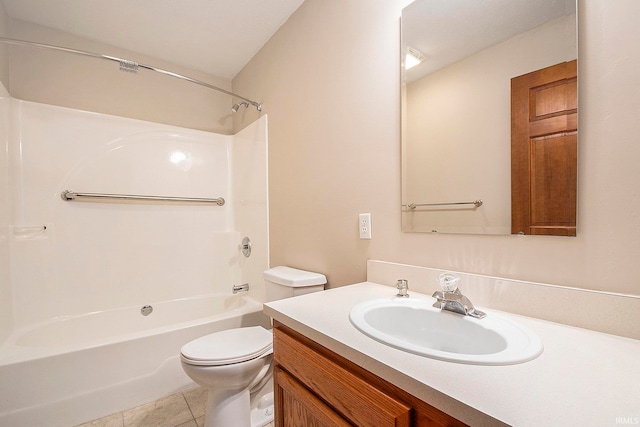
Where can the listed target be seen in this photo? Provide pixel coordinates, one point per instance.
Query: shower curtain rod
(128, 66)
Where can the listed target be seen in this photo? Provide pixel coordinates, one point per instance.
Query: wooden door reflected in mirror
(544, 151)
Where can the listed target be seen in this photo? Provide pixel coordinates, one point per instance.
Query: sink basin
(413, 325)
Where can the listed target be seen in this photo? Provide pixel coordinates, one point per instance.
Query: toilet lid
(228, 347)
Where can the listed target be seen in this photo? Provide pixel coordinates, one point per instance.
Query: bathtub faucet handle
(245, 247)
(240, 288)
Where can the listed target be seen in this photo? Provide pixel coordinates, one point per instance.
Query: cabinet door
(355, 399)
(297, 406)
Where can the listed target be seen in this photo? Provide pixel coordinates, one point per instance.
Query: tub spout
(240, 288)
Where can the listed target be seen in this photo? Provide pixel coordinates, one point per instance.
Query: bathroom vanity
(353, 395)
(329, 373)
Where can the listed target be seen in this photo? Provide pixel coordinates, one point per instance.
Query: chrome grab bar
(476, 203)
(72, 195)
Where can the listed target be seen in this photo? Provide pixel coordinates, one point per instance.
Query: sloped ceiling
(446, 31)
(215, 36)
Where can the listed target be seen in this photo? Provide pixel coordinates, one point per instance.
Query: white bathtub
(75, 369)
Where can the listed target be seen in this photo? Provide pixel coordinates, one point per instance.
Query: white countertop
(583, 378)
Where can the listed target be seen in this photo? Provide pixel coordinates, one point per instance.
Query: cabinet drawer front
(355, 399)
(303, 408)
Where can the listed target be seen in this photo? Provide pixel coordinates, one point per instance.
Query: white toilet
(233, 363)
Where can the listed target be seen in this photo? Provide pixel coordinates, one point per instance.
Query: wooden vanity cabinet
(315, 387)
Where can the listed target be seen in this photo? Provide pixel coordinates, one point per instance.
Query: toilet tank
(285, 282)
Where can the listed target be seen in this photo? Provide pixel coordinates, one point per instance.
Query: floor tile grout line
(189, 407)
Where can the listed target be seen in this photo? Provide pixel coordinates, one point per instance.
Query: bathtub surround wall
(98, 256)
(73, 271)
(251, 203)
(334, 133)
(72, 257)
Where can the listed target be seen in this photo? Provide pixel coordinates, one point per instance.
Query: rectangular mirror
(464, 132)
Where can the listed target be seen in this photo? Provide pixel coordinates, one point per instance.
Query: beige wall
(329, 81)
(97, 85)
(4, 63)
(6, 320)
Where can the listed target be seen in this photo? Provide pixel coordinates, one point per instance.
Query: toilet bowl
(229, 364)
(235, 365)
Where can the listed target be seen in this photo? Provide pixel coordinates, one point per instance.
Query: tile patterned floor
(178, 410)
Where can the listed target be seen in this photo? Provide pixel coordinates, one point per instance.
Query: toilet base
(262, 413)
(230, 410)
(227, 409)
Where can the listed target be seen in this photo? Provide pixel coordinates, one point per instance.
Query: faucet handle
(449, 281)
(403, 287)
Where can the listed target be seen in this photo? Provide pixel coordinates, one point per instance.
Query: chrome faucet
(451, 299)
(240, 288)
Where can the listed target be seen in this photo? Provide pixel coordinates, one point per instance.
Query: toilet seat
(228, 347)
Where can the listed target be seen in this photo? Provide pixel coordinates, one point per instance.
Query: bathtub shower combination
(98, 296)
